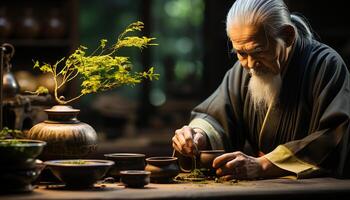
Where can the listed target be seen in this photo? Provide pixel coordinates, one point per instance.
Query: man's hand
(189, 140)
(238, 165)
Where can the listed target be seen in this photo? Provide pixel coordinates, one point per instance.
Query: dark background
(192, 56)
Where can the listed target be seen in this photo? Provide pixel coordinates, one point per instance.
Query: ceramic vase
(65, 135)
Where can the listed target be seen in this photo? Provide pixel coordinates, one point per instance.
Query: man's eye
(258, 49)
(257, 53)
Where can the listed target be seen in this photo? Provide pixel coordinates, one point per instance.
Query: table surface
(270, 189)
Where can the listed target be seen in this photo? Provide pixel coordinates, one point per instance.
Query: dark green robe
(311, 118)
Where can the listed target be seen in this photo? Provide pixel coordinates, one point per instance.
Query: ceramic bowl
(163, 169)
(125, 161)
(20, 151)
(19, 179)
(135, 178)
(18, 166)
(206, 158)
(79, 173)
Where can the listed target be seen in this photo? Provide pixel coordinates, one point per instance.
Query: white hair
(272, 14)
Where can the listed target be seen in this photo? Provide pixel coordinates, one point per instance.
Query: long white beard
(264, 89)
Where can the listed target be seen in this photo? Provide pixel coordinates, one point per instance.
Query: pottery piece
(66, 136)
(10, 85)
(20, 150)
(79, 173)
(18, 166)
(206, 158)
(14, 181)
(125, 161)
(135, 178)
(163, 169)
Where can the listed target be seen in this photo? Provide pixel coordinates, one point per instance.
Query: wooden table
(329, 188)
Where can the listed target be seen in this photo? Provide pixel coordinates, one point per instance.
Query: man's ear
(287, 34)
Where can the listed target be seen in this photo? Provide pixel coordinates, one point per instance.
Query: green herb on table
(222, 180)
(194, 176)
(196, 173)
(76, 162)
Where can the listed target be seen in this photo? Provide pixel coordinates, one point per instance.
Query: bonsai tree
(101, 70)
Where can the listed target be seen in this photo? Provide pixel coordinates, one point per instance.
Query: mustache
(260, 71)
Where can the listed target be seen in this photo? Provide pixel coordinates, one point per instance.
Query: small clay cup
(206, 158)
(135, 178)
(163, 169)
(125, 161)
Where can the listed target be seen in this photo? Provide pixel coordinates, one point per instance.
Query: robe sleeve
(220, 114)
(214, 136)
(326, 146)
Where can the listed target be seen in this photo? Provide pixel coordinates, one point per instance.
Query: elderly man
(288, 96)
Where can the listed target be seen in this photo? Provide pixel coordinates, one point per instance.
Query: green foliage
(103, 69)
(40, 90)
(76, 162)
(196, 173)
(6, 133)
(7, 143)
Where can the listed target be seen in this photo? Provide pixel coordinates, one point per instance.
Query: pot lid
(62, 109)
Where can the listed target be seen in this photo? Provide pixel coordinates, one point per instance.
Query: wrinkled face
(257, 51)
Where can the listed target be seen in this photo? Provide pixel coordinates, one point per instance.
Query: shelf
(38, 42)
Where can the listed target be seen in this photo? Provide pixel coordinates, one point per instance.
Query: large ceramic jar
(163, 169)
(65, 135)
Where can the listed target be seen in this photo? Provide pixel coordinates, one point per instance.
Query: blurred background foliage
(177, 25)
(192, 56)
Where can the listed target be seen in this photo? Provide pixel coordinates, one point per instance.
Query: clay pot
(65, 135)
(135, 178)
(163, 169)
(206, 158)
(10, 84)
(125, 161)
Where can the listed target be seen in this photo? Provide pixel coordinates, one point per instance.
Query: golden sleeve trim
(213, 135)
(283, 158)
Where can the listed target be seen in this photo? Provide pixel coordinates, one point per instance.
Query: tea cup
(125, 161)
(163, 169)
(206, 158)
(135, 178)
